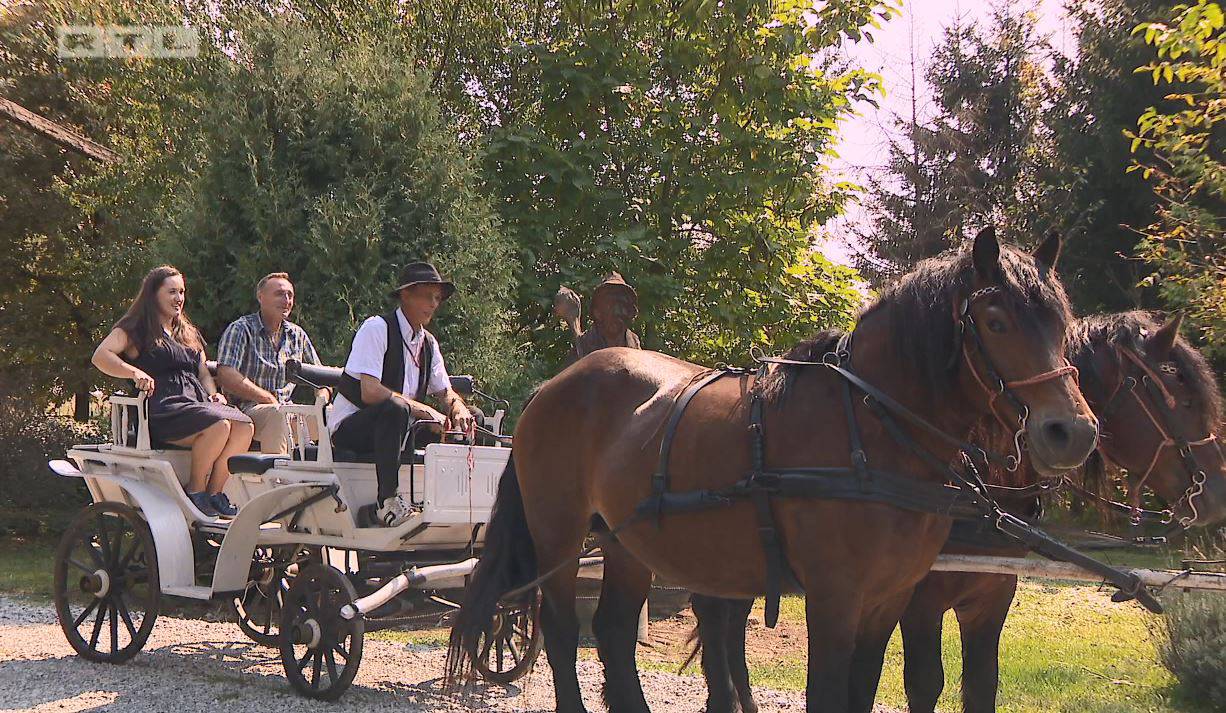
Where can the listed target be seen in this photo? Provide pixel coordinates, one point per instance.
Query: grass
(1066, 647)
(26, 566)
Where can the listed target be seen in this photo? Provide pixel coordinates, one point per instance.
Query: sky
(863, 143)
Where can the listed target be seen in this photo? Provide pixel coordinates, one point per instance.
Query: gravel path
(191, 665)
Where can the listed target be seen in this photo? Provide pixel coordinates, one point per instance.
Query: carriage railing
(123, 407)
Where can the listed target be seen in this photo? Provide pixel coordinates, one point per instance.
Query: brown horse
(1122, 359)
(587, 444)
(1152, 393)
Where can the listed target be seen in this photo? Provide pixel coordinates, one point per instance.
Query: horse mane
(920, 307)
(1130, 329)
(775, 385)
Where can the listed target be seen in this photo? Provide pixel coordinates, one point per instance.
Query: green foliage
(977, 161)
(330, 161)
(27, 489)
(677, 143)
(1192, 638)
(1088, 194)
(75, 236)
(1185, 244)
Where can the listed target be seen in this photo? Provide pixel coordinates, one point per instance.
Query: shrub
(32, 500)
(1192, 644)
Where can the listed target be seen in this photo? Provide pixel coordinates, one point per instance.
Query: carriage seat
(254, 463)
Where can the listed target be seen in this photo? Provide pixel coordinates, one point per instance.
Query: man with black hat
(615, 304)
(382, 389)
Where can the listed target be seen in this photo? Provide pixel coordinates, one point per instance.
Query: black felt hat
(422, 273)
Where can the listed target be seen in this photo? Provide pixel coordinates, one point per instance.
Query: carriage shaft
(1063, 570)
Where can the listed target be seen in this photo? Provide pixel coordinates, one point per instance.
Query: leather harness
(964, 495)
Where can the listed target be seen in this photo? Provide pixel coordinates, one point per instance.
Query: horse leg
(738, 620)
(832, 623)
(923, 670)
(871, 642)
(712, 615)
(981, 627)
(561, 542)
(622, 594)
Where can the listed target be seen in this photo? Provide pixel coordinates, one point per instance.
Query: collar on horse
(963, 496)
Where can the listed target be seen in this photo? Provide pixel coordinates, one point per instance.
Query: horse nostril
(1057, 434)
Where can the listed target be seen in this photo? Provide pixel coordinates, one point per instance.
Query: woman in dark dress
(157, 347)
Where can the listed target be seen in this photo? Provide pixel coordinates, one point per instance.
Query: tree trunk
(80, 403)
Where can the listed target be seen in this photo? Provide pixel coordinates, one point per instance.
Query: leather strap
(659, 480)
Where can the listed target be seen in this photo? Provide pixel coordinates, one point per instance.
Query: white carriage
(304, 572)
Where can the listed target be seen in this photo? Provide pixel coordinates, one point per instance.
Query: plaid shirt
(247, 346)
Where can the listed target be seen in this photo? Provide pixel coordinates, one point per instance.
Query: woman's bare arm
(108, 359)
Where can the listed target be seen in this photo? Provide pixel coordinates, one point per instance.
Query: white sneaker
(394, 511)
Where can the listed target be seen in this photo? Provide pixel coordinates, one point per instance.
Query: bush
(32, 500)
(1192, 644)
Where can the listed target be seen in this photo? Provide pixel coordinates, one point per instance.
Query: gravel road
(191, 665)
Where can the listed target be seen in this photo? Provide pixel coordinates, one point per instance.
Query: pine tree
(1092, 199)
(975, 162)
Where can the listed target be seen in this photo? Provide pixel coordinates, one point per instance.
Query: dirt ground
(193, 664)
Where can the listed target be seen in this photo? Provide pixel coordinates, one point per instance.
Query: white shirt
(366, 357)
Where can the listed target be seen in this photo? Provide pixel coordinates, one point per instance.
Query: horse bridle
(1162, 400)
(966, 325)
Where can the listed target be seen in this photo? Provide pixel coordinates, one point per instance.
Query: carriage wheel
(107, 594)
(320, 649)
(508, 652)
(258, 607)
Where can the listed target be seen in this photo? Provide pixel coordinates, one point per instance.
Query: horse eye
(995, 325)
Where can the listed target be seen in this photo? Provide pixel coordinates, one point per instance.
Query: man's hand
(461, 418)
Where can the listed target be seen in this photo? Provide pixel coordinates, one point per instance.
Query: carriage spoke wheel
(107, 594)
(509, 650)
(320, 649)
(258, 607)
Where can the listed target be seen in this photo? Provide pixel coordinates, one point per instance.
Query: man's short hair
(259, 286)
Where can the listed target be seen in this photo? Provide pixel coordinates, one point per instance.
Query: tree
(1184, 160)
(977, 160)
(329, 159)
(682, 144)
(1090, 196)
(65, 265)
(679, 143)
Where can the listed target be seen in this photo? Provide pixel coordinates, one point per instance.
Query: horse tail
(508, 561)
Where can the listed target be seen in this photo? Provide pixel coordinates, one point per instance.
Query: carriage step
(189, 591)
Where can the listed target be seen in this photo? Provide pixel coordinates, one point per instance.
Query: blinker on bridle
(1164, 401)
(966, 325)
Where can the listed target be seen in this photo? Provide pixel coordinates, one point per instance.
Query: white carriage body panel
(456, 494)
(113, 481)
(451, 500)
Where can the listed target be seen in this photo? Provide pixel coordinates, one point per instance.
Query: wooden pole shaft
(1063, 570)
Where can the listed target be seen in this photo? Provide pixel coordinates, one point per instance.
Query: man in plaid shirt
(251, 360)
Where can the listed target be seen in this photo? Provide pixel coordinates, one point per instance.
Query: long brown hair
(142, 322)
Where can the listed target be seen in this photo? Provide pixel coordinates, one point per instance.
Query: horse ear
(985, 254)
(1048, 251)
(1160, 343)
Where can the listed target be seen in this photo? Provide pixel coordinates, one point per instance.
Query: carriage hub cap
(98, 583)
(309, 633)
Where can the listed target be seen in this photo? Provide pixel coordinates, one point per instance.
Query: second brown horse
(1158, 406)
(586, 447)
